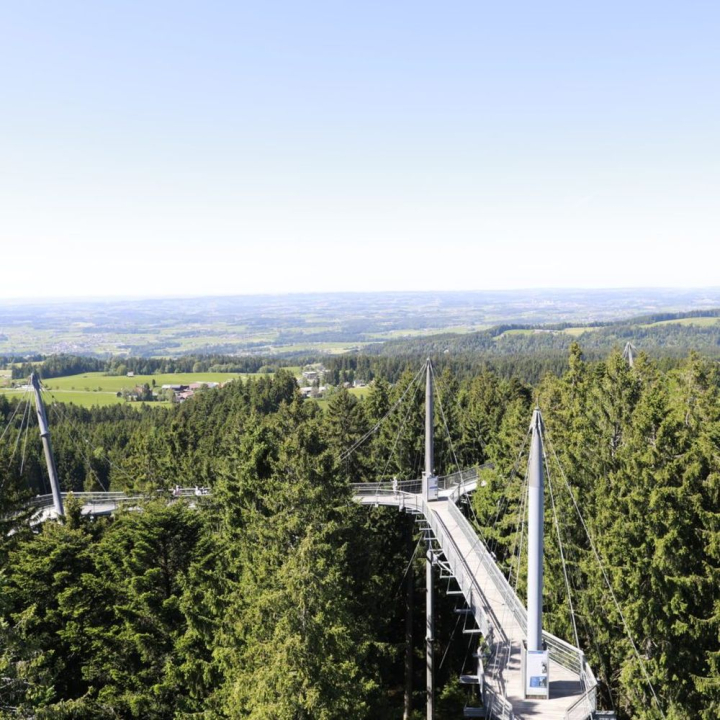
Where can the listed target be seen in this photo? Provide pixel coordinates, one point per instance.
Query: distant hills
(326, 324)
(667, 334)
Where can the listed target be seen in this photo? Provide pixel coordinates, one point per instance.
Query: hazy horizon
(209, 296)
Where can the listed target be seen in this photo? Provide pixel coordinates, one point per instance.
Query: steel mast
(430, 493)
(47, 445)
(536, 677)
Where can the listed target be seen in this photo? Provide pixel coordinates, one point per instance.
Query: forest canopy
(277, 596)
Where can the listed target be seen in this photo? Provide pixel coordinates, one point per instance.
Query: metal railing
(563, 653)
(412, 487)
(497, 706)
(455, 481)
(95, 499)
(457, 478)
(586, 705)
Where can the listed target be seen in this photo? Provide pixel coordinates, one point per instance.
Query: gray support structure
(47, 446)
(628, 353)
(429, 413)
(430, 492)
(430, 635)
(409, 613)
(535, 536)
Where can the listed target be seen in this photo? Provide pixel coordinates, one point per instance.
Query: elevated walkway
(98, 504)
(500, 616)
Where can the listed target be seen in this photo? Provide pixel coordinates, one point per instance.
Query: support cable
(58, 408)
(409, 565)
(12, 417)
(560, 545)
(519, 548)
(607, 582)
(449, 643)
(503, 497)
(442, 414)
(374, 429)
(79, 446)
(27, 432)
(402, 426)
(22, 427)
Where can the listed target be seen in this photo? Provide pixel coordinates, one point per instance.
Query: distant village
(311, 381)
(176, 393)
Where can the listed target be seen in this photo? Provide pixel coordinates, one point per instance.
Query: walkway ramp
(498, 612)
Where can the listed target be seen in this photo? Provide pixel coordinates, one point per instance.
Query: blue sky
(196, 148)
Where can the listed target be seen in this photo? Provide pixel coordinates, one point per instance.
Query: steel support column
(535, 536)
(47, 445)
(429, 635)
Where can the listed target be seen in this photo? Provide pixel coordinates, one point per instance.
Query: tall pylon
(47, 445)
(536, 661)
(628, 353)
(429, 479)
(429, 486)
(536, 493)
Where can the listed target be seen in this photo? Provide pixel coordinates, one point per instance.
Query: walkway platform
(572, 685)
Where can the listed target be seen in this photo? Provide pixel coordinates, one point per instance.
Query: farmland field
(85, 399)
(96, 388)
(99, 382)
(697, 321)
(577, 331)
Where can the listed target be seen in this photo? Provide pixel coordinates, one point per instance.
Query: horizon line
(17, 300)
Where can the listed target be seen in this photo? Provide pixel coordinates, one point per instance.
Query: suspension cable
(607, 582)
(402, 426)
(85, 457)
(519, 548)
(12, 417)
(377, 425)
(27, 432)
(560, 545)
(503, 498)
(408, 566)
(58, 407)
(442, 414)
(22, 427)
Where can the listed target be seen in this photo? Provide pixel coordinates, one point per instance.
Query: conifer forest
(276, 596)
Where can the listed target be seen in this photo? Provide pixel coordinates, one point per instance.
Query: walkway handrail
(561, 651)
(585, 706)
(412, 487)
(459, 567)
(104, 498)
(500, 708)
(455, 481)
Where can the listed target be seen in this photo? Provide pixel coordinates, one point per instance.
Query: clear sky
(151, 148)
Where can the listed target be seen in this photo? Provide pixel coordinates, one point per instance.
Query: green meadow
(698, 321)
(97, 389)
(85, 399)
(99, 382)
